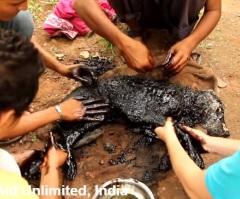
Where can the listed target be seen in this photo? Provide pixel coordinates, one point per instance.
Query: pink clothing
(64, 19)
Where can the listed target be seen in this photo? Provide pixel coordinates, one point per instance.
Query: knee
(23, 23)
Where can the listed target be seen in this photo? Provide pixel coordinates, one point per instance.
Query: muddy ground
(219, 52)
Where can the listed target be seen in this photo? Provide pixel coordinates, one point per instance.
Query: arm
(222, 146)
(207, 23)
(50, 171)
(53, 63)
(72, 110)
(136, 55)
(183, 165)
(218, 145)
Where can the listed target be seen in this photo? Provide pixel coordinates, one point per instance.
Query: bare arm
(223, 146)
(50, 171)
(183, 165)
(50, 180)
(218, 145)
(30, 122)
(135, 53)
(51, 62)
(207, 23)
(72, 110)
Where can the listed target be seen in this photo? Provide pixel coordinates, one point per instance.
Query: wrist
(170, 138)
(46, 168)
(53, 113)
(122, 42)
(191, 42)
(63, 70)
(59, 111)
(209, 144)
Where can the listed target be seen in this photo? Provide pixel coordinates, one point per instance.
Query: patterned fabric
(64, 19)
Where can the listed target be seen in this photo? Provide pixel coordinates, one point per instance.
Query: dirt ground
(219, 52)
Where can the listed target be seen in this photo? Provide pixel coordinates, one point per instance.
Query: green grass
(52, 2)
(35, 8)
(107, 46)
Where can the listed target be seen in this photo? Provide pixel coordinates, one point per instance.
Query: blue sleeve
(223, 178)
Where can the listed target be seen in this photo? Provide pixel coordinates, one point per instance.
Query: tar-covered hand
(166, 131)
(82, 74)
(137, 56)
(80, 108)
(198, 135)
(181, 52)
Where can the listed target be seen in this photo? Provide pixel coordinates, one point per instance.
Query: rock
(221, 83)
(84, 54)
(59, 56)
(101, 162)
(96, 54)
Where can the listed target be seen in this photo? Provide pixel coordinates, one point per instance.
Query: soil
(219, 52)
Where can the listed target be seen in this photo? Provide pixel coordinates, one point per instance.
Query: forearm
(50, 179)
(30, 122)
(187, 170)
(206, 24)
(96, 19)
(222, 146)
(50, 62)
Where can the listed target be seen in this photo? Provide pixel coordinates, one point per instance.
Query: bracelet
(59, 110)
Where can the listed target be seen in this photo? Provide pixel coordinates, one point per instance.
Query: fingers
(80, 98)
(96, 106)
(86, 80)
(94, 112)
(52, 141)
(91, 101)
(169, 119)
(92, 107)
(194, 133)
(189, 130)
(92, 119)
(139, 58)
(83, 74)
(176, 64)
(151, 61)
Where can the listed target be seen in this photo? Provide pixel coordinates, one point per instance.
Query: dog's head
(209, 108)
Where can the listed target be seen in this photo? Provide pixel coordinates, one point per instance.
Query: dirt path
(220, 51)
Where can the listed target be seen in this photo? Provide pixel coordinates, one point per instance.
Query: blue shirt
(223, 178)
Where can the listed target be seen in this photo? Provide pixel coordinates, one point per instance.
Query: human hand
(137, 56)
(80, 108)
(166, 131)
(81, 73)
(55, 158)
(181, 52)
(198, 135)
